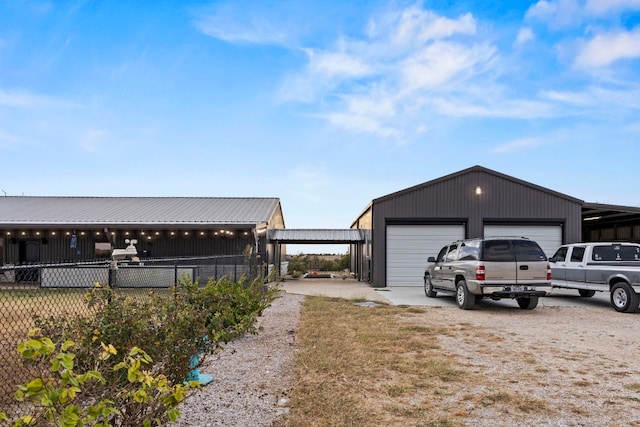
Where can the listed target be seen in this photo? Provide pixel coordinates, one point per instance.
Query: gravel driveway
(575, 359)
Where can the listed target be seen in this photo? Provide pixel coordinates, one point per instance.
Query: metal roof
(604, 213)
(473, 169)
(77, 211)
(317, 235)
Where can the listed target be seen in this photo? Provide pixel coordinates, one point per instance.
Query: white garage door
(549, 237)
(409, 246)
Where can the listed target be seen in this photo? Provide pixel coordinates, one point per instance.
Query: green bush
(61, 396)
(177, 329)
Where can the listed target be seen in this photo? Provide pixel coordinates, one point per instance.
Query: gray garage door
(549, 237)
(409, 246)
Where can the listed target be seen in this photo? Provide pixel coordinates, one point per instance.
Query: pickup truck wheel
(623, 298)
(464, 298)
(587, 293)
(528, 303)
(428, 288)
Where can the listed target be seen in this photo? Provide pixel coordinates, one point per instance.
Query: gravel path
(576, 365)
(252, 375)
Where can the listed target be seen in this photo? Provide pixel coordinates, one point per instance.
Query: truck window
(577, 254)
(452, 255)
(630, 253)
(469, 251)
(441, 254)
(527, 250)
(560, 255)
(498, 251)
(616, 253)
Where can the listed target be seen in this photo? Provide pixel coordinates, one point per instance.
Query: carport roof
(602, 213)
(351, 235)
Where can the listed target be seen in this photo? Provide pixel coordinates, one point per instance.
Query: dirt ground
(572, 361)
(554, 366)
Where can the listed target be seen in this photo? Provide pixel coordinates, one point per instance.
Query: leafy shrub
(60, 396)
(175, 327)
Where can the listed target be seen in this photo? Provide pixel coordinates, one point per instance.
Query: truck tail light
(480, 273)
(548, 272)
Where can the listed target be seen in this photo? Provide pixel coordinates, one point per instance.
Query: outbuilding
(408, 226)
(58, 229)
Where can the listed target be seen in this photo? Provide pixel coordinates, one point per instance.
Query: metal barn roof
(317, 235)
(76, 211)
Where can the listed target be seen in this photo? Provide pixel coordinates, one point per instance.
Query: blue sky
(324, 104)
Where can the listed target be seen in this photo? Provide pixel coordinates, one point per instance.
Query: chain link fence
(31, 291)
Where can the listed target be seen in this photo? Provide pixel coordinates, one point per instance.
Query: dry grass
(360, 366)
(17, 310)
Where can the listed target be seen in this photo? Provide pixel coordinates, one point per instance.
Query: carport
(352, 236)
(603, 223)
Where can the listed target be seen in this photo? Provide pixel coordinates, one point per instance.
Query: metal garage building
(410, 225)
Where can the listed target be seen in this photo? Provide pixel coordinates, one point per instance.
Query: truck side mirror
(431, 259)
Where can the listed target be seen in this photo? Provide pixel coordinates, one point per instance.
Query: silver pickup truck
(604, 267)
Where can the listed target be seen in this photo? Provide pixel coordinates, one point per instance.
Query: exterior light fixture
(53, 233)
(157, 233)
(478, 190)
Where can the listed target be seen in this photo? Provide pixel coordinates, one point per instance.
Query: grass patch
(386, 365)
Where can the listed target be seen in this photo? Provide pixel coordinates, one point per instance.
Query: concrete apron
(414, 295)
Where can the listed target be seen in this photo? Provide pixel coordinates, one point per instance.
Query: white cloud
(336, 64)
(7, 139)
(609, 101)
(519, 144)
(602, 7)
(92, 139)
(605, 49)
(556, 13)
(438, 63)
(382, 82)
(230, 24)
(29, 100)
(463, 106)
(415, 26)
(525, 35)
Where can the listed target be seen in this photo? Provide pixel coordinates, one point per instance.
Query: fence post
(113, 273)
(175, 273)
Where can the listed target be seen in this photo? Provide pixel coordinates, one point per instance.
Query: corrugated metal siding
(454, 199)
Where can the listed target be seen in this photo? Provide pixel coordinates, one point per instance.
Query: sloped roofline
(131, 211)
(476, 168)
